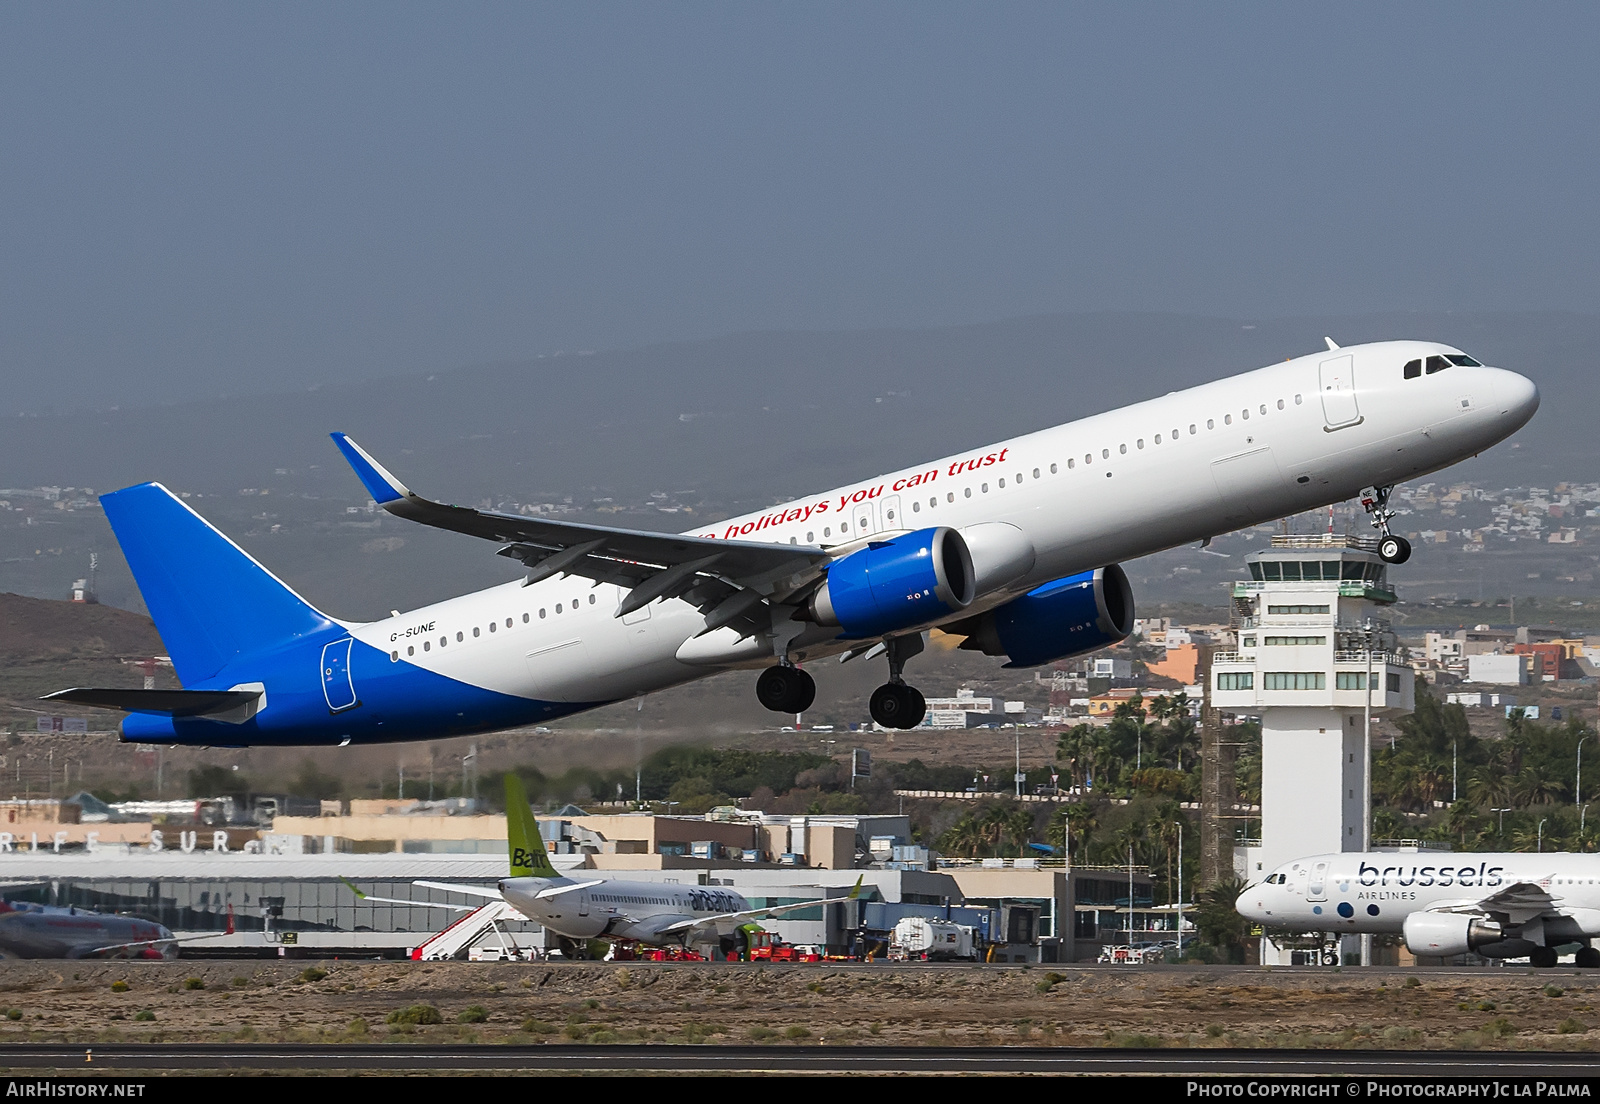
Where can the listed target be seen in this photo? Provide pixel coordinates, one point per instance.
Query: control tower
(1315, 661)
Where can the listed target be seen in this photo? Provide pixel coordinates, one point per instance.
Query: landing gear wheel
(1587, 958)
(1542, 957)
(1393, 549)
(896, 705)
(785, 689)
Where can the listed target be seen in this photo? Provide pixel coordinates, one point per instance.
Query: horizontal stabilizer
(171, 703)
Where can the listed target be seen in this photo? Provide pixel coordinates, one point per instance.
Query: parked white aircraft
(1013, 546)
(579, 910)
(1496, 905)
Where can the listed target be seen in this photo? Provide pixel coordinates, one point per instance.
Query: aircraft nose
(1249, 904)
(1516, 397)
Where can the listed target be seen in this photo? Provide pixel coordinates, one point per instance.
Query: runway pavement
(399, 1057)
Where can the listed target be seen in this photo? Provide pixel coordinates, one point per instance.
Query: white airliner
(1496, 905)
(577, 911)
(1014, 546)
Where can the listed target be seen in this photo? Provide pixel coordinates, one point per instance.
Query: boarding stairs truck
(459, 939)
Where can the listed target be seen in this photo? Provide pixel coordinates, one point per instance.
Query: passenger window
(410, 651)
(425, 646)
(1036, 472)
(1245, 414)
(1105, 454)
(1280, 404)
(794, 540)
(492, 624)
(1263, 408)
(968, 492)
(443, 640)
(1158, 438)
(984, 488)
(1297, 400)
(811, 537)
(1070, 463)
(950, 496)
(1122, 450)
(475, 629)
(394, 657)
(916, 507)
(591, 601)
(827, 531)
(558, 610)
(844, 527)
(1211, 423)
(1088, 458)
(1227, 419)
(1002, 483)
(1193, 429)
(1139, 443)
(932, 502)
(1413, 369)
(1436, 364)
(541, 617)
(460, 637)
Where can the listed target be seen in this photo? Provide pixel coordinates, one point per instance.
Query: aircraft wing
(468, 890)
(726, 579)
(364, 896)
(1516, 904)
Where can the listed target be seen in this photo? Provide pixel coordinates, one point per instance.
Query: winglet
(383, 487)
(360, 896)
(855, 891)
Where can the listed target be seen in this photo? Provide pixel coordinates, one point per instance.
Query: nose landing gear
(1391, 548)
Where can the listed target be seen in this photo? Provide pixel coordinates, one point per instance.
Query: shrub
(357, 1026)
(415, 1014)
(313, 973)
(1500, 1027)
(1486, 1006)
(1571, 1026)
(13, 1013)
(194, 983)
(537, 1027)
(1215, 1030)
(1553, 990)
(476, 1013)
(1412, 983)
(761, 1034)
(119, 986)
(795, 1031)
(624, 977)
(144, 1014)
(239, 982)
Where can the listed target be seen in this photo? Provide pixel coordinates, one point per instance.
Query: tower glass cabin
(1314, 658)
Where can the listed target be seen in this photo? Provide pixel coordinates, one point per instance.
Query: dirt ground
(878, 1004)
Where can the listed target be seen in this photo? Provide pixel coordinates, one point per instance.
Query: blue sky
(204, 199)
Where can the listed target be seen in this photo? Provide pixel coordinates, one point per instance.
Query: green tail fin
(529, 859)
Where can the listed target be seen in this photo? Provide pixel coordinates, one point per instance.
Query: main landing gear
(786, 689)
(895, 704)
(1391, 548)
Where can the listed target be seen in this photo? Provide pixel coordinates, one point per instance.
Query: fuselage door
(864, 519)
(889, 513)
(338, 686)
(1317, 887)
(1338, 381)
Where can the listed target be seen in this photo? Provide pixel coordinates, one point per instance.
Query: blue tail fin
(210, 601)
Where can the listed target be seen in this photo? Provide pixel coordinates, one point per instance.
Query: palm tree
(1218, 921)
(1169, 832)
(965, 835)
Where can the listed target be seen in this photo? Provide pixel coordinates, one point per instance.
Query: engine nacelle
(895, 584)
(1447, 934)
(1065, 618)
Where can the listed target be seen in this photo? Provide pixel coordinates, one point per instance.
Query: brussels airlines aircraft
(1014, 546)
(1497, 905)
(658, 913)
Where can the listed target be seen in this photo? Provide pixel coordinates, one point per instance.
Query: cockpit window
(1461, 360)
(1437, 364)
(1413, 369)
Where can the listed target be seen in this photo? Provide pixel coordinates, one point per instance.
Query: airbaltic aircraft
(1496, 905)
(657, 913)
(1014, 547)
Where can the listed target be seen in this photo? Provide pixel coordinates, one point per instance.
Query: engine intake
(895, 584)
(1064, 618)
